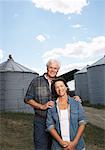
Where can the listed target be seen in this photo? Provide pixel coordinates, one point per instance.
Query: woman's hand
(64, 144)
(71, 146)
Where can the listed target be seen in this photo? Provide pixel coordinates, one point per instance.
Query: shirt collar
(57, 101)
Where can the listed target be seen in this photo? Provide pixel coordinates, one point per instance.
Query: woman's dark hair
(54, 93)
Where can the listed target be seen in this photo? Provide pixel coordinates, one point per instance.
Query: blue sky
(33, 31)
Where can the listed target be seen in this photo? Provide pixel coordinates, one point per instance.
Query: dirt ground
(16, 130)
(96, 116)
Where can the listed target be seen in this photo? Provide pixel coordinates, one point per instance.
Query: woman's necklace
(63, 103)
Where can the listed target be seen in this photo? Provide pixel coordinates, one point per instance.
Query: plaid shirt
(39, 91)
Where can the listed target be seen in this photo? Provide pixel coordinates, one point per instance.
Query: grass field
(16, 131)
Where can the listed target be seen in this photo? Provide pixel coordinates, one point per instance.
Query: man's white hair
(53, 61)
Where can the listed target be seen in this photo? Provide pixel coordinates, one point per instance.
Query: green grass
(16, 132)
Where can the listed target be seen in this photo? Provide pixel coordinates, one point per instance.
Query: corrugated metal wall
(12, 95)
(96, 83)
(2, 91)
(81, 85)
(90, 84)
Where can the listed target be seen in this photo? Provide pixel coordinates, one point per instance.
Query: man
(39, 97)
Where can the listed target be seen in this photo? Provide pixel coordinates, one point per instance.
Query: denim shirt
(77, 117)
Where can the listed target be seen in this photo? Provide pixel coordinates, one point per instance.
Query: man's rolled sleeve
(82, 122)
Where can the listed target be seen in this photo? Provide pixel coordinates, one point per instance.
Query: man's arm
(37, 105)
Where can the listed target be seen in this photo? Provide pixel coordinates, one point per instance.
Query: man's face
(52, 70)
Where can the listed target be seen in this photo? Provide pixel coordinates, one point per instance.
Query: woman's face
(60, 88)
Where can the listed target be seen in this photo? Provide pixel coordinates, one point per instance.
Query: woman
(66, 120)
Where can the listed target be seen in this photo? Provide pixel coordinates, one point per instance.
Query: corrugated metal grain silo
(14, 81)
(81, 84)
(96, 82)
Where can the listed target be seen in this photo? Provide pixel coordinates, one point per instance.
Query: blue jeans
(42, 139)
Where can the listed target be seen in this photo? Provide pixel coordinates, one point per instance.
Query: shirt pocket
(41, 92)
(74, 116)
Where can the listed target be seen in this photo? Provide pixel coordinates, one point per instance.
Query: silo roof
(84, 70)
(12, 66)
(99, 62)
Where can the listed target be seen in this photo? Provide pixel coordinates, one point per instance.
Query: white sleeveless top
(64, 124)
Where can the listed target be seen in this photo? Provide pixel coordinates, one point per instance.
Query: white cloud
(1, 54)
(55, 53)
(77, 26)
(62, 6)
(69, 18)
(41, 37)
(98, 45)
(80, 49)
